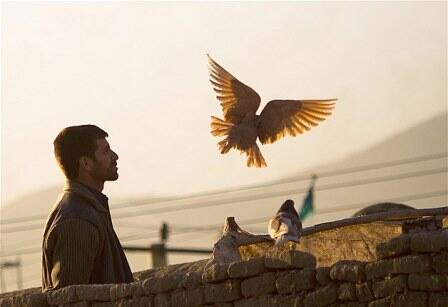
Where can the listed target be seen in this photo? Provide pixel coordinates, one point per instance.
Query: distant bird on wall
(242, 126)
(286, 225)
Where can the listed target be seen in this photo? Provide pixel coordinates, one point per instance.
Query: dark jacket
(79, 244)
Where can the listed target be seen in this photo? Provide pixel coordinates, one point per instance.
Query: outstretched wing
(291, 117)
(237, 99)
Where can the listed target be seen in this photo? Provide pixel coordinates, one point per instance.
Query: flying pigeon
(286, 225)
(242, 126)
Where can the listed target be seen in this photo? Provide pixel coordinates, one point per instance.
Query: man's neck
(92, 184)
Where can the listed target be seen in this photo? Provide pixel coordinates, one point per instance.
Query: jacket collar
(72, 186)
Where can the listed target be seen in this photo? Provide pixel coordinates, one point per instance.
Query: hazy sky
(139, 71)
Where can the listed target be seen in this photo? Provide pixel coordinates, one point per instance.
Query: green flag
(308, 203)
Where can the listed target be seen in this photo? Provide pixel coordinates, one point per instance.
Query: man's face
(105, 162)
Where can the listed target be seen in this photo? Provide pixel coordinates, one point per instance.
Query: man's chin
(113, 177)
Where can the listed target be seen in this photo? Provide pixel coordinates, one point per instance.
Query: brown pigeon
(286, 225)
(242, 126)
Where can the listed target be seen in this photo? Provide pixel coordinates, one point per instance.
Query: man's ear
(85, 163)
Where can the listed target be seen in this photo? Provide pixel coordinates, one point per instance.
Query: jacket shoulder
(74, 205)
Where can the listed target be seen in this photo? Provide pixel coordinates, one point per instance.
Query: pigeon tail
(220, 127)
(254, 157)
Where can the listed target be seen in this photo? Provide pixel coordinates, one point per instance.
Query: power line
(288, 180)
(367, 167)
(335, 209)
(278, 194)
(258, 220)
(324, 174)
(259, 196)
(214, 227)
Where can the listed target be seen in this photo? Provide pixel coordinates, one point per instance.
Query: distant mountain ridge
(432, 136)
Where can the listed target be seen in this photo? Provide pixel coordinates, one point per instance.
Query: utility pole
(159, 250)
(11, 264)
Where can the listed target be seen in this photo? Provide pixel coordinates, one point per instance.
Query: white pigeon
(286, 225)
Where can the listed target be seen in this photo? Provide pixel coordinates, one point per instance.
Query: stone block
(412, 264)
(191, 280)
(189, 297)
(410, 299)
(428, 242)
(142, 301)
(295, 280)
(397, 246)
(99, 293)
(427, 282)
(162, 300)
(348, 270)
(133, 289)
(440, 263)
(287, 259)
(35, 300)
(262, 301)
(293, 300)
(364, 291)
(323, 296)
(78, 304)
(259, 285)
(323, 276)
(25, 300)
(215, 273)
(379, 268)
(227, 291)
(62, 296)
(352, 304)
(389, 286)
(423, 224)
(241, 269)
(347, 292)
(147, 284)
(162, 284)
(438, 299)
(383, 302)
(271, 300)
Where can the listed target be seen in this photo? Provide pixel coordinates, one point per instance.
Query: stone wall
(410, 269)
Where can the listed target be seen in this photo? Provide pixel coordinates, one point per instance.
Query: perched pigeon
(286, 225)
(242, 126)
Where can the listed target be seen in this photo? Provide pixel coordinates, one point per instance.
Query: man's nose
(114, 155)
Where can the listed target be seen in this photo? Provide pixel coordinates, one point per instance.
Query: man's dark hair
(74, 142)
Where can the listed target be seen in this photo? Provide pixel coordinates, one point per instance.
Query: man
(80, 245)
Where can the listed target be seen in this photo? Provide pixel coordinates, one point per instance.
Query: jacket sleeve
(76, 244)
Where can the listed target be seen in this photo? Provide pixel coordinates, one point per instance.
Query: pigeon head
(288, 206)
